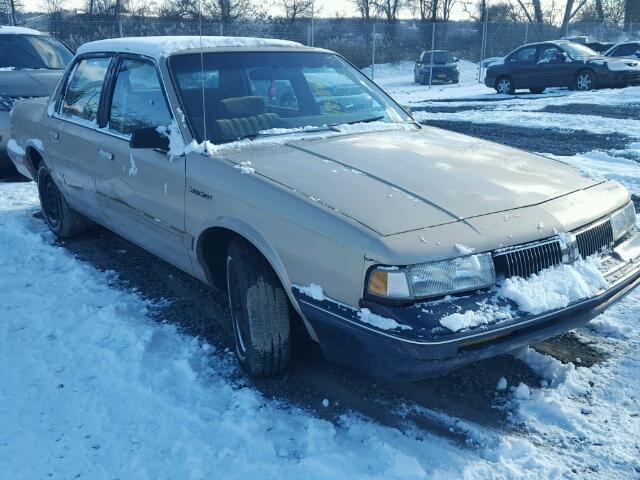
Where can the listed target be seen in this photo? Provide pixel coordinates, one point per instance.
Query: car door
(141, 191)
(553, 70)
(72, 132)
(522, 65)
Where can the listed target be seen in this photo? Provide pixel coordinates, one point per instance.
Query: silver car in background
(283, 175)
(31, 64)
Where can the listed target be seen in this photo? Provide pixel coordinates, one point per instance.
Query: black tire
(61, 219)
(537, 90)
(504, 85)
(260, 313)
(584, 81)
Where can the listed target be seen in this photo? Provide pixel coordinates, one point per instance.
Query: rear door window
(82, 94)
(138, 98)
(525, 55)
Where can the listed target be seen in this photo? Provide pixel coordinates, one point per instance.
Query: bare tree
(570, 10)
(389, 9)
(296, 9)
(631, 13)
(366, 8)
(228, 11)
(446, 7)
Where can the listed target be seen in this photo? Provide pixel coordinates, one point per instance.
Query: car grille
(525, 260)
(595, 239)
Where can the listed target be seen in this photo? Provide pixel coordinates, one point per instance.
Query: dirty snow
(133, 168)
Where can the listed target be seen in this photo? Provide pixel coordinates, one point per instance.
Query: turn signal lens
(388, 283)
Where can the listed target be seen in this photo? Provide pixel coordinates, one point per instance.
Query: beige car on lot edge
(285, 176)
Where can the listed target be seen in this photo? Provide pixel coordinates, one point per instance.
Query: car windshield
(22, 52)
(251, 94)
(439, 58)
(577, 50)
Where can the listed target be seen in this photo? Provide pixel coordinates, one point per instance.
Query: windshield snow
(267, 93)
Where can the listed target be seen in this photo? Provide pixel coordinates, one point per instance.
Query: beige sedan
(285, 176)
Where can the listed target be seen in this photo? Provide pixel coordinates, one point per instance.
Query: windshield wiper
(293, 131)
(352, 122)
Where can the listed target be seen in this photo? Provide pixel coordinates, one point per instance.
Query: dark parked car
(561, 63)
(630, 50)
(438, 65)
(30, 65)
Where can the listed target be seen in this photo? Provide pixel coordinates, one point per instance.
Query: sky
(328, 8)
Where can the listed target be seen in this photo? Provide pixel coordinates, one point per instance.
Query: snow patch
(367, 316)
(464, 250)
(314, 291)
(13, 147)
(133, 168)
(554, 287)
(245, 168)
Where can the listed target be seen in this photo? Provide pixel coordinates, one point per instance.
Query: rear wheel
(504, 85)
(585, 80)
(260, 312)
(537, 90)
(61, 219)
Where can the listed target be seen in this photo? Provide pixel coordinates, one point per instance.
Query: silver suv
(285, 176)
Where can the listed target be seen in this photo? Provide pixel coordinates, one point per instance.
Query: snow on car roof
(7, 30)
(165, 46)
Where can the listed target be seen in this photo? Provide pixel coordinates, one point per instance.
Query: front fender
(259, 241)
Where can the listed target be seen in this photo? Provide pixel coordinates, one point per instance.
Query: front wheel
(61, 219)
(584, 81)
(260, 313)
(504, 85)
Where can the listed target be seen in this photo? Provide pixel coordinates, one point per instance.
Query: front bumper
(429, 349)
(620, 79)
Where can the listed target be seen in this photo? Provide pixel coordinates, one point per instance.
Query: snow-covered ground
(92, 387)
(397, 79)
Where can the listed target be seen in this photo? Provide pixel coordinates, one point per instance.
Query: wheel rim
(51, 202)
(504, 86)
(237, 313)
(584, 81)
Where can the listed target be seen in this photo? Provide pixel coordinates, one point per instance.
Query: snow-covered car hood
(28, 83)
(398, 181)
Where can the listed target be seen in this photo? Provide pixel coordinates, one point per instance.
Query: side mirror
(149, 137)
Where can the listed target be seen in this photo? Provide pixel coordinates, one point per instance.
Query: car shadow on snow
(468, 393)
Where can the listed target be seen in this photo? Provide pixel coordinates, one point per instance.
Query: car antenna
(204, 110)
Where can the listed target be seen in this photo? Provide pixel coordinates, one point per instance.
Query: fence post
(483, 41)
(373, 49)
(120, 26)
(526, 32)
(433, 45)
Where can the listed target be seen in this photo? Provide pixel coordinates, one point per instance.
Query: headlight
(433, 279)
(623, 221)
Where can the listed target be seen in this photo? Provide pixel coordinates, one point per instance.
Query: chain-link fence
(364, 43)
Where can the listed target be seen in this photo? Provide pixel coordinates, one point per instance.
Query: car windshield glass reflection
(577, 50)
(20, 52)
(253, 94)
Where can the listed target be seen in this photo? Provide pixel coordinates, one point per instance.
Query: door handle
(54, 135)
(105, 154)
